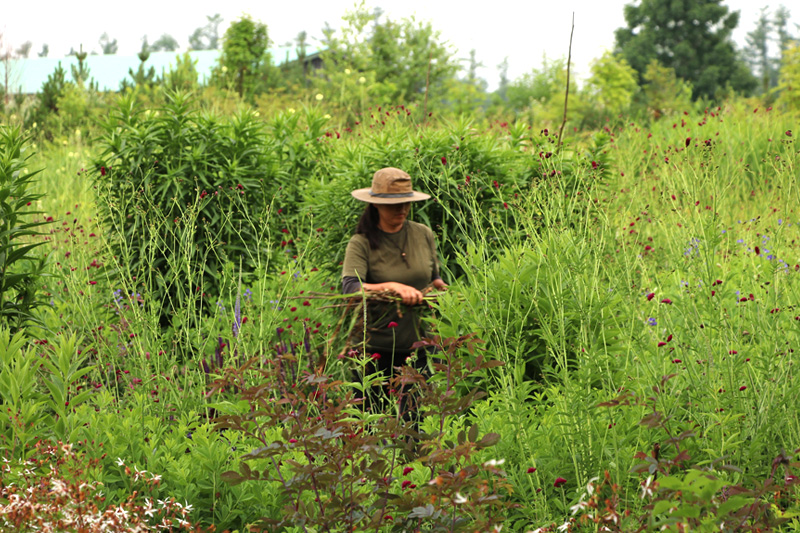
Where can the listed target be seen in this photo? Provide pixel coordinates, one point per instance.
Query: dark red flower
(392, 324)
(407, 470)
(559, 481)
(650, 296)
(594, 164)
(375, 356)
(666, 301)
(531, 470)
(444, 160)
(102, 171)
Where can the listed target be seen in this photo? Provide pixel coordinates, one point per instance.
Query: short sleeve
(356, 258)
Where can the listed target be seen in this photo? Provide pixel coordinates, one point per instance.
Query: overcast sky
(522, 31)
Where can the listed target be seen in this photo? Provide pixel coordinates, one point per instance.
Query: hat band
(391, 195)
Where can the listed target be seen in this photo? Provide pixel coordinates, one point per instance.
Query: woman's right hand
(408, 294)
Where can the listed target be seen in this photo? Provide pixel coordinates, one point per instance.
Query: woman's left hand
(439, 284)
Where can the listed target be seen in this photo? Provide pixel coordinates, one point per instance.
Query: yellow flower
(347, 71)
(362, 79)
(319, 97)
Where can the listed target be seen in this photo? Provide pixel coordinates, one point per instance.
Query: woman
(389, 252)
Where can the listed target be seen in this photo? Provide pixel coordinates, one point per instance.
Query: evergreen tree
(108, 45)
(80, 74)
(693, 38)
(757, 52)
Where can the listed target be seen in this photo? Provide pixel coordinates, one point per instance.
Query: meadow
(616, 348)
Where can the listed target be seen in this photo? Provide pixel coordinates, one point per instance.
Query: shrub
(184, 193)
(20, 268)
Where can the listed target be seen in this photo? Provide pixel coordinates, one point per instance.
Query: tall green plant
(20, 267)
(184, 193)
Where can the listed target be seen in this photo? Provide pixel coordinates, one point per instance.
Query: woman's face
(393, 215)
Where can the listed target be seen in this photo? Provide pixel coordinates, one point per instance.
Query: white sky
(522, 31)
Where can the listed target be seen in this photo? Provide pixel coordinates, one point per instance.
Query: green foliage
(80, 73)
(165, 43)
(21, 415)
(789, 84)
(757, 53)
(400, 62)
(340, 466)
(692, 38)
(183, 75)
(243, 53)
(206, 37)
(108, 45)
(143, 78)
(539, 94)
(52, 91)
(664, 92)
(21, 268)
(612, 85)
(183, 188)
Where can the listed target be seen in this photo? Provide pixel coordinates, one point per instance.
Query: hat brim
(365, 196)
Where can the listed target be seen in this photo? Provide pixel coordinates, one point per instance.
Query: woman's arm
(408, 294)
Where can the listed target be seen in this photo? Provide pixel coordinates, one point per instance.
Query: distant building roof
(27, 75)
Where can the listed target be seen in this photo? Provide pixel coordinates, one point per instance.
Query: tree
(243, 51)
(789, 84)
(538, 84)
(165, 43)
(664, 92)
(757, 52)
(80, 74)
(108, 45)
(540, 93)
(51, 92)
(24, 49)
(693, 38)
(143, 77)
(612, 85)
(502, 87)
(782, 16)
(409, 55)
(206, 37)
(45, 50)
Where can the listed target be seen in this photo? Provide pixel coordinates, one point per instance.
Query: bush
(184, 193)
(20, 268)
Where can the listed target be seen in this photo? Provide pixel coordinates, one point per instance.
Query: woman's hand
(408, 294)
(439, 284)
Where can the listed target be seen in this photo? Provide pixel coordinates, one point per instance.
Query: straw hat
(389, 186)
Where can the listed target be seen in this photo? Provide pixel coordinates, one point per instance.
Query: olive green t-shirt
(386, 264)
